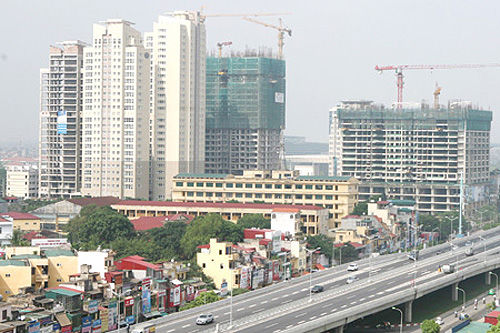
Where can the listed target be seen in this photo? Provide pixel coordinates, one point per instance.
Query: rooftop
(98, 201)
(59, 253)
(148, 222)
(13, 263)
(220, 205)
(203, 175)
(324, 178)
(20, 216)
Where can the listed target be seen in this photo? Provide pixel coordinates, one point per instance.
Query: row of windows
(258, 185)
(265, 195)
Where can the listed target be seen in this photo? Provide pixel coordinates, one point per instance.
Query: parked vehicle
(469, 252)
(317, 289)
(352, 267)
(204, 319)
(144, 328)
(439, 321)
(448, 268)
(352, 279)
(491, 291)
(413, 255)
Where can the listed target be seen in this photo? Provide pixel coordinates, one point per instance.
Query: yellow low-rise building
(23, 221)
(15, 275)
(61, 264)
(217, 261)
(338, 194)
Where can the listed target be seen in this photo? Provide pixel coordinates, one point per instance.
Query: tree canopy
(202, 228)
(202, 299)
(323, 242)
(254, 221)
(444, 222)
(96, 226)
(361, 208)
(347, 253)
(430, 326)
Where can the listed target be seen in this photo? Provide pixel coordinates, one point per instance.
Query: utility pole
(461, 204)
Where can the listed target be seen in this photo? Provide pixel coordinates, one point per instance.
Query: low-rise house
(22, 221)
(217, 261)
(6, 230)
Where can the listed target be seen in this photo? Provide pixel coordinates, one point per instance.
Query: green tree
(323, 242)
(168, 238)
(137, 246)
(348, 253)
(202, 299)
(96, 226)
(17, 238)
(202, 228)
(430, 326)
(254, 221)
(361, 208)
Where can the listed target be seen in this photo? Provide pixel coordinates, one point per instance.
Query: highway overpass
(384, 281)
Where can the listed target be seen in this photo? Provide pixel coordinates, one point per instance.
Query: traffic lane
(352, 298)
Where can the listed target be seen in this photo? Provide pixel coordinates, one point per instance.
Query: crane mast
(281, 33)
(400, 78)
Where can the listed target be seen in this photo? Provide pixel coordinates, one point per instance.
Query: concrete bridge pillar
(454, 292)
(487, 278)
(339, 329)
(408, 312)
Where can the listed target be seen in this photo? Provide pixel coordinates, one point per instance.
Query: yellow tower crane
(437, 91)
(220, 45)
(281, 32)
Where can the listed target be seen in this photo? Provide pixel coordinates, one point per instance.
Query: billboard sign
(279, 97)
(62, 122)
(146, 296)
(244, 278)
(33, 327)
(86, 324)
(223, 289)
(49, 242)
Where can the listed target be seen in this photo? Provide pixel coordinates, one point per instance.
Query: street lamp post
(496, 276)
(464, 295)
(310, 271)
(401, 323)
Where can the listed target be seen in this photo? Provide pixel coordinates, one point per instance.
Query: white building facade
(22, 180)
(60, 108)
(115, 116)
(178, 48)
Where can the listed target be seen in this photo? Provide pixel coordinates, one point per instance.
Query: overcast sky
(330, 56)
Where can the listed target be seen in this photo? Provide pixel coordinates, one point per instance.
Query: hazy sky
(330, 56)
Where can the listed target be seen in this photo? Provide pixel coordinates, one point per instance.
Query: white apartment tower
(178, 48)
(60, 107)
(115, 116)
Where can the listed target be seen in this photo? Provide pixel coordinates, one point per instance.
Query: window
(298, 187)
(190, 184)
(218, 184)
(328, 197)
(318, 197)
(229, 185)
(220, 252)
(269, 185)
(319, 187)
(179, 183)
(204, 265)
(221, 265)
(7, 275)
(248, 186)
(209, 184)
(190, 194)
(309, 187)
(258, 185)
(239, 185)
(199, 184)
(309, 197)
(278, 186)
(329, 187)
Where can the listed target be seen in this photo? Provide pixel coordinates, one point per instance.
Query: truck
(448, 268)
(144, 328)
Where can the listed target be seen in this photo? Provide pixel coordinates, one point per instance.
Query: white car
(204, 319)
(352, 267)
(439, 321)
(352, 279)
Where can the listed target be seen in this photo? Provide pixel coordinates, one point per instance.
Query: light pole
(496, 290)
(231, 303)
(401, 324)
(118, 307)
(310, 271)
(464, 295)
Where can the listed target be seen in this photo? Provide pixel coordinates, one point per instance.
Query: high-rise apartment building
(115, 116)
(178, 48)
(60, 107)
(416, 153)
(22, 180)
(245, 113)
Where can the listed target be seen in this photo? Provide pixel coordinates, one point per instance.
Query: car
(352, 279)
(468, 244)
(352, 267)
(204, 319)
(317, 289)
(439, 321)
(491, 291)
(438, 253)
(469, 251)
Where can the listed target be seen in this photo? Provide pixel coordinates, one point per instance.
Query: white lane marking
(171, 330)
(303, 289)
(240, 309)
(324, 313)
(295, 292)
(371, 296)
(263, 302)
(186, 325)
(251, 306)
(312, 318)
(194, 331)
(274, 299)
(300, 314)
(376, 270)
(284, 296)
(426, 272)
(289, 326)
(352, 303)
(227, 313)
(256, 311)
(344, 306)
(361, 300)
(333, 310)
(301, 322)
(271, 325)
(380, 293)
(276, 331)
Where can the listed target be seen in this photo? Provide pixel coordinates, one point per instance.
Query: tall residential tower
(178, 49)
(115, 116)
(245, 113)
(415, 153)
(60, 132)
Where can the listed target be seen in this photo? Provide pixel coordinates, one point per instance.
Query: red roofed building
(136, 263)
(314, 219)
(98, 201)
(23, 221)
(148, 222)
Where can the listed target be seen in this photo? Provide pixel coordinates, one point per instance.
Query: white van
(144, 328)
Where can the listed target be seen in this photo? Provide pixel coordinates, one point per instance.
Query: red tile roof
(252, 233)
(135, 262)
(148, 222)
(264, 241)
(98, 201)
(3, 220)
(205, 246)
(214, 205)
(286, 210)
(180, 217)
(351, 217)
(20, 216)
(33, 235)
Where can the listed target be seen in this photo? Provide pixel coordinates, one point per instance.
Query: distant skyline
(330, 57)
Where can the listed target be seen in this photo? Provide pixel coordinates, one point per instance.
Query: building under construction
(415, 153)
(245, 113)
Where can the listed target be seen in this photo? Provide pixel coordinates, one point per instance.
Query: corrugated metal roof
(13, 263)
(59, 253)
(202, 175)
(214, 205)
(324, 178)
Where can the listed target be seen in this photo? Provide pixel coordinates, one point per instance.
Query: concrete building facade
(245, 113)
(417, 153)
(22, 180)
(60, 128)
(115, 116)
(177, 137)
(338, 194)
